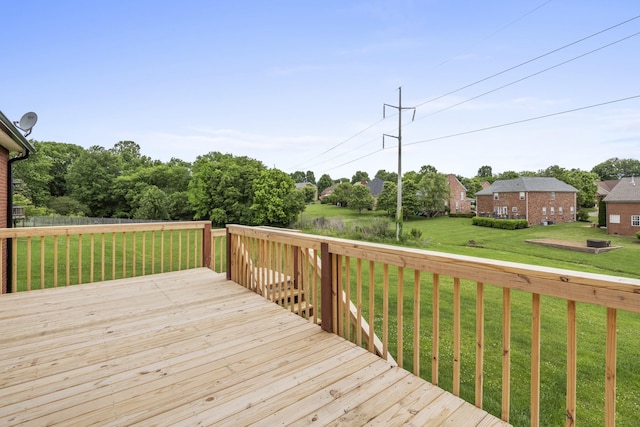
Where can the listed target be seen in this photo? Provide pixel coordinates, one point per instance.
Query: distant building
(458, 201)
(538, 200)
(623, 207)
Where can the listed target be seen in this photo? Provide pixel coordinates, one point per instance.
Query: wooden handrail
(94, 252)
(342, 274)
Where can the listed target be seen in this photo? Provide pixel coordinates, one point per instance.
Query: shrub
(638, 234)
(583, 215)
(505, 224)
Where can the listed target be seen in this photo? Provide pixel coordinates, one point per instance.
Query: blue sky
(300, 85)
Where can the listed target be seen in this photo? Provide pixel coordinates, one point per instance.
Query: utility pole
(399, 107)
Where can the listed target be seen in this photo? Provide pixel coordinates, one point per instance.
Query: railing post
(328, 299)
(228, 254)
(206, 246)
(296, 268)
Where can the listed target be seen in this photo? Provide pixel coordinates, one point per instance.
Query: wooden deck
(191, 348)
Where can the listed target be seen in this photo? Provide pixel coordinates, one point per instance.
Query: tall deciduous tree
(153, 204)
(615, 168)
(324, 182)
(360, 198)
(91, 180)
(341, 194)
(276, 201)
(360, 176)
(221, 188)
(433, 192)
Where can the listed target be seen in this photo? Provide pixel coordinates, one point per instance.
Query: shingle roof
(604, 187)
(529, 184)
(627, 190)
(375, 186)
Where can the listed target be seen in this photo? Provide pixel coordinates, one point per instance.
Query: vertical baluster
(400, 317)
(416, 322)
(479, 343)
(535, 360)
(506, 353)
(385, 311)
(435, 350)
(610, 367)
(456, 336)
(572, 359)
(372, 308)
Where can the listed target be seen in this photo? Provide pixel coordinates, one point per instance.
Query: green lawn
(452, 235)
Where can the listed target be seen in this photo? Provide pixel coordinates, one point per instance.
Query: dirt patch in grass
(571, 245)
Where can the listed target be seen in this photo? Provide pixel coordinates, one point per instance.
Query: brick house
(13, 147)
(623, 207)
(458, 202)
(538, 200)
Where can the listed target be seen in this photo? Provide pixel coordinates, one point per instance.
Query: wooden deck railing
(448, 318)
(43, 257)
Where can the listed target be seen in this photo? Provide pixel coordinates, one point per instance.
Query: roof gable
(627, 190)
(375, 186)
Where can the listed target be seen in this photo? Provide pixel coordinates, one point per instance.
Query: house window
(504, 210)
(514, 209)
(553, 195)
(522, 195)
(495, 196)
(571, 210)
(462, 195)
(635, 220)
(553, 210)
(544, 210)
(560, 210)
(614, 219)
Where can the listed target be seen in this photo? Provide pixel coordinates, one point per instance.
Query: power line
(528, 61)
(480, 81)
(530, 75)
(496, 32)
(530, 119)
(524, 120)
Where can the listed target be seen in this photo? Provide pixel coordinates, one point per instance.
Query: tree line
(67, 179)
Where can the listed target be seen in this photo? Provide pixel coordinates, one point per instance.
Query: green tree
(324, 182)
(410, 199)
(179, 206)
(360, 176)
(585, 183)
(485, 172)
(299, 176)
(360, 198)
(91, 180)
(276, 201)
(473, 185)
(153, 204)
(65, 205)
(387, 176)
(308, 193)
(221, 188)
(341, 194)
(388, 198)
(615, 168)
(130, 156)
(44, 173)
(433, 192)
(507, 175)
(310, 177)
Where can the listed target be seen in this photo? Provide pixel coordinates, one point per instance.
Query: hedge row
(506, 224)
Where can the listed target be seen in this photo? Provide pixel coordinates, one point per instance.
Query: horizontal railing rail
(452, 315)
(42, 257)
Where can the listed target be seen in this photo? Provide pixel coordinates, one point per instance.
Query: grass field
(452, 235)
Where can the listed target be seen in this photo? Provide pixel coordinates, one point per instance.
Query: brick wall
(625, 210)
(458, 202)
(4, 168)
(558, 209)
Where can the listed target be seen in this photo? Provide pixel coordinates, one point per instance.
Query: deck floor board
(192, 348)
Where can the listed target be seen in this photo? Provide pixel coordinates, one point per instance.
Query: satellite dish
(27, 122)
